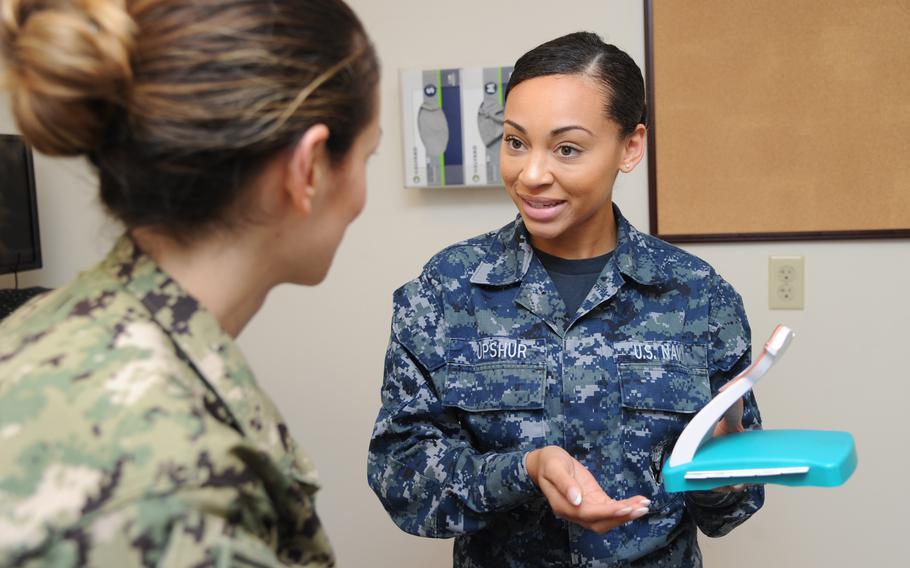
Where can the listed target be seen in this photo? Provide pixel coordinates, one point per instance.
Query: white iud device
(701, 427)
(787, 457)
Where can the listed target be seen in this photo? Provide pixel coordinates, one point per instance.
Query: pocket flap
(501, 387)
(664, 387)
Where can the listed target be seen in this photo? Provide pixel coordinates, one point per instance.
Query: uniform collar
(509, 256)
(213, 353)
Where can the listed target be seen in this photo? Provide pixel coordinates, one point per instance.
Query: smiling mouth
(542, 204)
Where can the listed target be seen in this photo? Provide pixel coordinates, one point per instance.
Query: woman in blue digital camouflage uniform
(538, 375)
(230, 138)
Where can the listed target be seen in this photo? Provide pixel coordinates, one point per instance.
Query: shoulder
(452, 267)
(91, 352)
(460, 260)
(96, 409)
(91, 327)
(418, 318)
(676, 267)
(673, 261)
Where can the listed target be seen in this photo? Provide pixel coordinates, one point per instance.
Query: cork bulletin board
(778, 120)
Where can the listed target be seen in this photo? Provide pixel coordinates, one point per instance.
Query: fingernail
(644, 502)
(739, 487)
(624, 511)
(639, 513)
(575, 496)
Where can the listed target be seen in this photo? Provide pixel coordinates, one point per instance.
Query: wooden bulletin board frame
(784, 120)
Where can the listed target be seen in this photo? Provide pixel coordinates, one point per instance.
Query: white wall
(319, 351)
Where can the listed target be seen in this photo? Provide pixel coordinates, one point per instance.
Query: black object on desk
(12, 298)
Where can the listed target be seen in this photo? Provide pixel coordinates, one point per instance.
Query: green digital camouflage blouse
(132, 432)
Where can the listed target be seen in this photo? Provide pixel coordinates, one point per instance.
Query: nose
(536, 171)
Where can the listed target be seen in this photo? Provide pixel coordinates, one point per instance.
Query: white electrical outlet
(786, 282)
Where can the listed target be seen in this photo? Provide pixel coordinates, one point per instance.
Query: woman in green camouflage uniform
(230, 138)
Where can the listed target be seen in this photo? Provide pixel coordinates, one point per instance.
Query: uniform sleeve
(202, 540)
(422, 464)
(716, 514)
(165, 533)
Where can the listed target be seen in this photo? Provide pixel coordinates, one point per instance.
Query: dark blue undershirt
(573, 278)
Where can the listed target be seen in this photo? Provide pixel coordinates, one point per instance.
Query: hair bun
(69, 68)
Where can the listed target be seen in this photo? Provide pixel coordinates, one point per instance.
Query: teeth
(543, 205)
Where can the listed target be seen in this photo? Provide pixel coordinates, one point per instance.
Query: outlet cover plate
(786, 282)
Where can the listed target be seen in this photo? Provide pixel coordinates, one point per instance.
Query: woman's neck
(595, 236)
(223, 273)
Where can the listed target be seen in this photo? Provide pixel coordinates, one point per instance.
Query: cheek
(509, 168)
(359, 192)
(587, 183)
(349, 196)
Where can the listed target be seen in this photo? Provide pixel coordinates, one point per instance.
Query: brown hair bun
(69, 64)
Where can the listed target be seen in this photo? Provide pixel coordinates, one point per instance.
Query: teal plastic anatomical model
(787, 457)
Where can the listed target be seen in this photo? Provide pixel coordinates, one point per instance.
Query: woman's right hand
(574, 494)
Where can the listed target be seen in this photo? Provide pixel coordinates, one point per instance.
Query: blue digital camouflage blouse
(484, 365)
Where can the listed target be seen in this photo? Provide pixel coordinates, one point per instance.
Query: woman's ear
(307, 168)
(633, 148)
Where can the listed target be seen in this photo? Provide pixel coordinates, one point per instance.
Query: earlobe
(306, 168)
(634, 148)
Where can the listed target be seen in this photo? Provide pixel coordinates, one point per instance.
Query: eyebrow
(554, 132)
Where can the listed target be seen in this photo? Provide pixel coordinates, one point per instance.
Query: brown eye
(567, 151)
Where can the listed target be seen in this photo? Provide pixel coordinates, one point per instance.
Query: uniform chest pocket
(498, 387)
(663, 376)
(664, 387)
(495, 374)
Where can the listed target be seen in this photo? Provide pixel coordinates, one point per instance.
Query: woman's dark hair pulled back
(584, 53)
